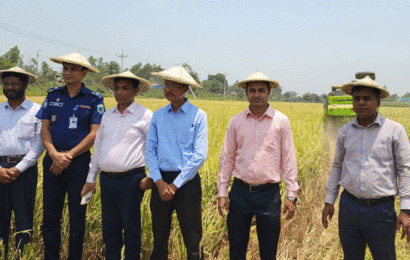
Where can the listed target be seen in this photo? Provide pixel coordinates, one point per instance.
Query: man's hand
(164, 189)
(13, 172)
(223, 206)
(290, 208)
(146, 183)
(404, 220)
(5, 178)
(56, 170)
(87, 187)
(328, 211)
(61, 160)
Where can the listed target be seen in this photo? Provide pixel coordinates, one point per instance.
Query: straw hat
(108, 81)
(177, 74)
(31, 78)
(366, 82)
(75, 58)
(258, 76)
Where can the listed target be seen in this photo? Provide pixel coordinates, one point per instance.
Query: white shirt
(20, 133)
(120, 142)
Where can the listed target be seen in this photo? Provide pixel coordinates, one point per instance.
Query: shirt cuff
(22, 166)
(330, 199)
(292, 193)
(404, 203)
(222, 191)
(178, 181)
(91, 177)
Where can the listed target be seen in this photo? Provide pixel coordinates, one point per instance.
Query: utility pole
(122, 59)
(37, 61)
(224, 84)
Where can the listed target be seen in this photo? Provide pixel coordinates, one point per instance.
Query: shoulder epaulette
(97, 94)
(53, 89)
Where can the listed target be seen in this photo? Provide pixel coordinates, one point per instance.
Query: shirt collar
(376, 121)
(268, 112)
(83, 89)
(24, 105)
(183, 108)
(130, 109)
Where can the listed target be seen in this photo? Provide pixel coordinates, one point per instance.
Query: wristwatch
(293, 199)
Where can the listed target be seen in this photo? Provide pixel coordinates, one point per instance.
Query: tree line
(213, 87)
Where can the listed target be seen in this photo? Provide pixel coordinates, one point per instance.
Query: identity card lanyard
(73, 120)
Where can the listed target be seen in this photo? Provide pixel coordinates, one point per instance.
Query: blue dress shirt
(86, 108)
(177, 142)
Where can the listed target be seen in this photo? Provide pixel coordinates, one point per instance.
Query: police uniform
(71, 119)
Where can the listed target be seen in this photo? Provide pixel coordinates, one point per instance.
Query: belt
(369, 202)
(12, 159)
(115, 175)
(254, 187)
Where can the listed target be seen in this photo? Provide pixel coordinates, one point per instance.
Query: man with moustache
(119, 153)
(372, 152)
(258, 147)
(177, 147)
(20, 148)
(71, 116)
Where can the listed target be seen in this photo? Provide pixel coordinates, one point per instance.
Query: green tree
(10, 59)
(276, 94)
(290, 96)
(213, 85)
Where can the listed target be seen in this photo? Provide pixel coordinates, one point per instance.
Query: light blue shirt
(20, 133)
(371, 162)
(177, 142)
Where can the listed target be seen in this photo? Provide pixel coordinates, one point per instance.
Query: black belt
(12, 159)
(254, 187)
(369, 202)
(115, 175)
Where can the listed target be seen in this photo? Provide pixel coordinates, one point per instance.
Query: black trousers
(18, 196)
(187, 203)
(70, 181)
(265, 205)
(373, 225)
(121, 210)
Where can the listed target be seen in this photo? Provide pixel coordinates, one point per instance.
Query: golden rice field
(303, 237)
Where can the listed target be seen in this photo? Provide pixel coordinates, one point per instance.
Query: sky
(307, 46)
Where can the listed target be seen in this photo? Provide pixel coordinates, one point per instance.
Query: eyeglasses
(165, 86)
(13, 85)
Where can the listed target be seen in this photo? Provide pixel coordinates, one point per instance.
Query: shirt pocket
(186, 135)
(380, 149)
(25, 130)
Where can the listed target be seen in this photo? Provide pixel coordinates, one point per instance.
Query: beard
(14, 94)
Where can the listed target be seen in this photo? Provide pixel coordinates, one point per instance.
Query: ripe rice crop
(303, 237)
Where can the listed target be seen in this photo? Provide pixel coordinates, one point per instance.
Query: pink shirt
(257, 150)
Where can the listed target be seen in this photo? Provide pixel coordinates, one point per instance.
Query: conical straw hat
(177, 74)
(75, 58)
(366, 82)
(31, 78)
(258, 76)
(108, 81)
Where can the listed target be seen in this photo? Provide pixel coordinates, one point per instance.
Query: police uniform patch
(53, 118)
(100, 108)
(45, 103)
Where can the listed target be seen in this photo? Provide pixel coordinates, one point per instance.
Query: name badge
(73, 122)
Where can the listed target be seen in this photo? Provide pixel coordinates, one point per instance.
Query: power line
(122, 59)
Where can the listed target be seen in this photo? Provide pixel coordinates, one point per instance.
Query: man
(177, 147)
(258, 146)
(371, 153)
(20, 148)
(119, 153)
(71, 117)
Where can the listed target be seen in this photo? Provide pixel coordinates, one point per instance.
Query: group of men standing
(258, 151)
